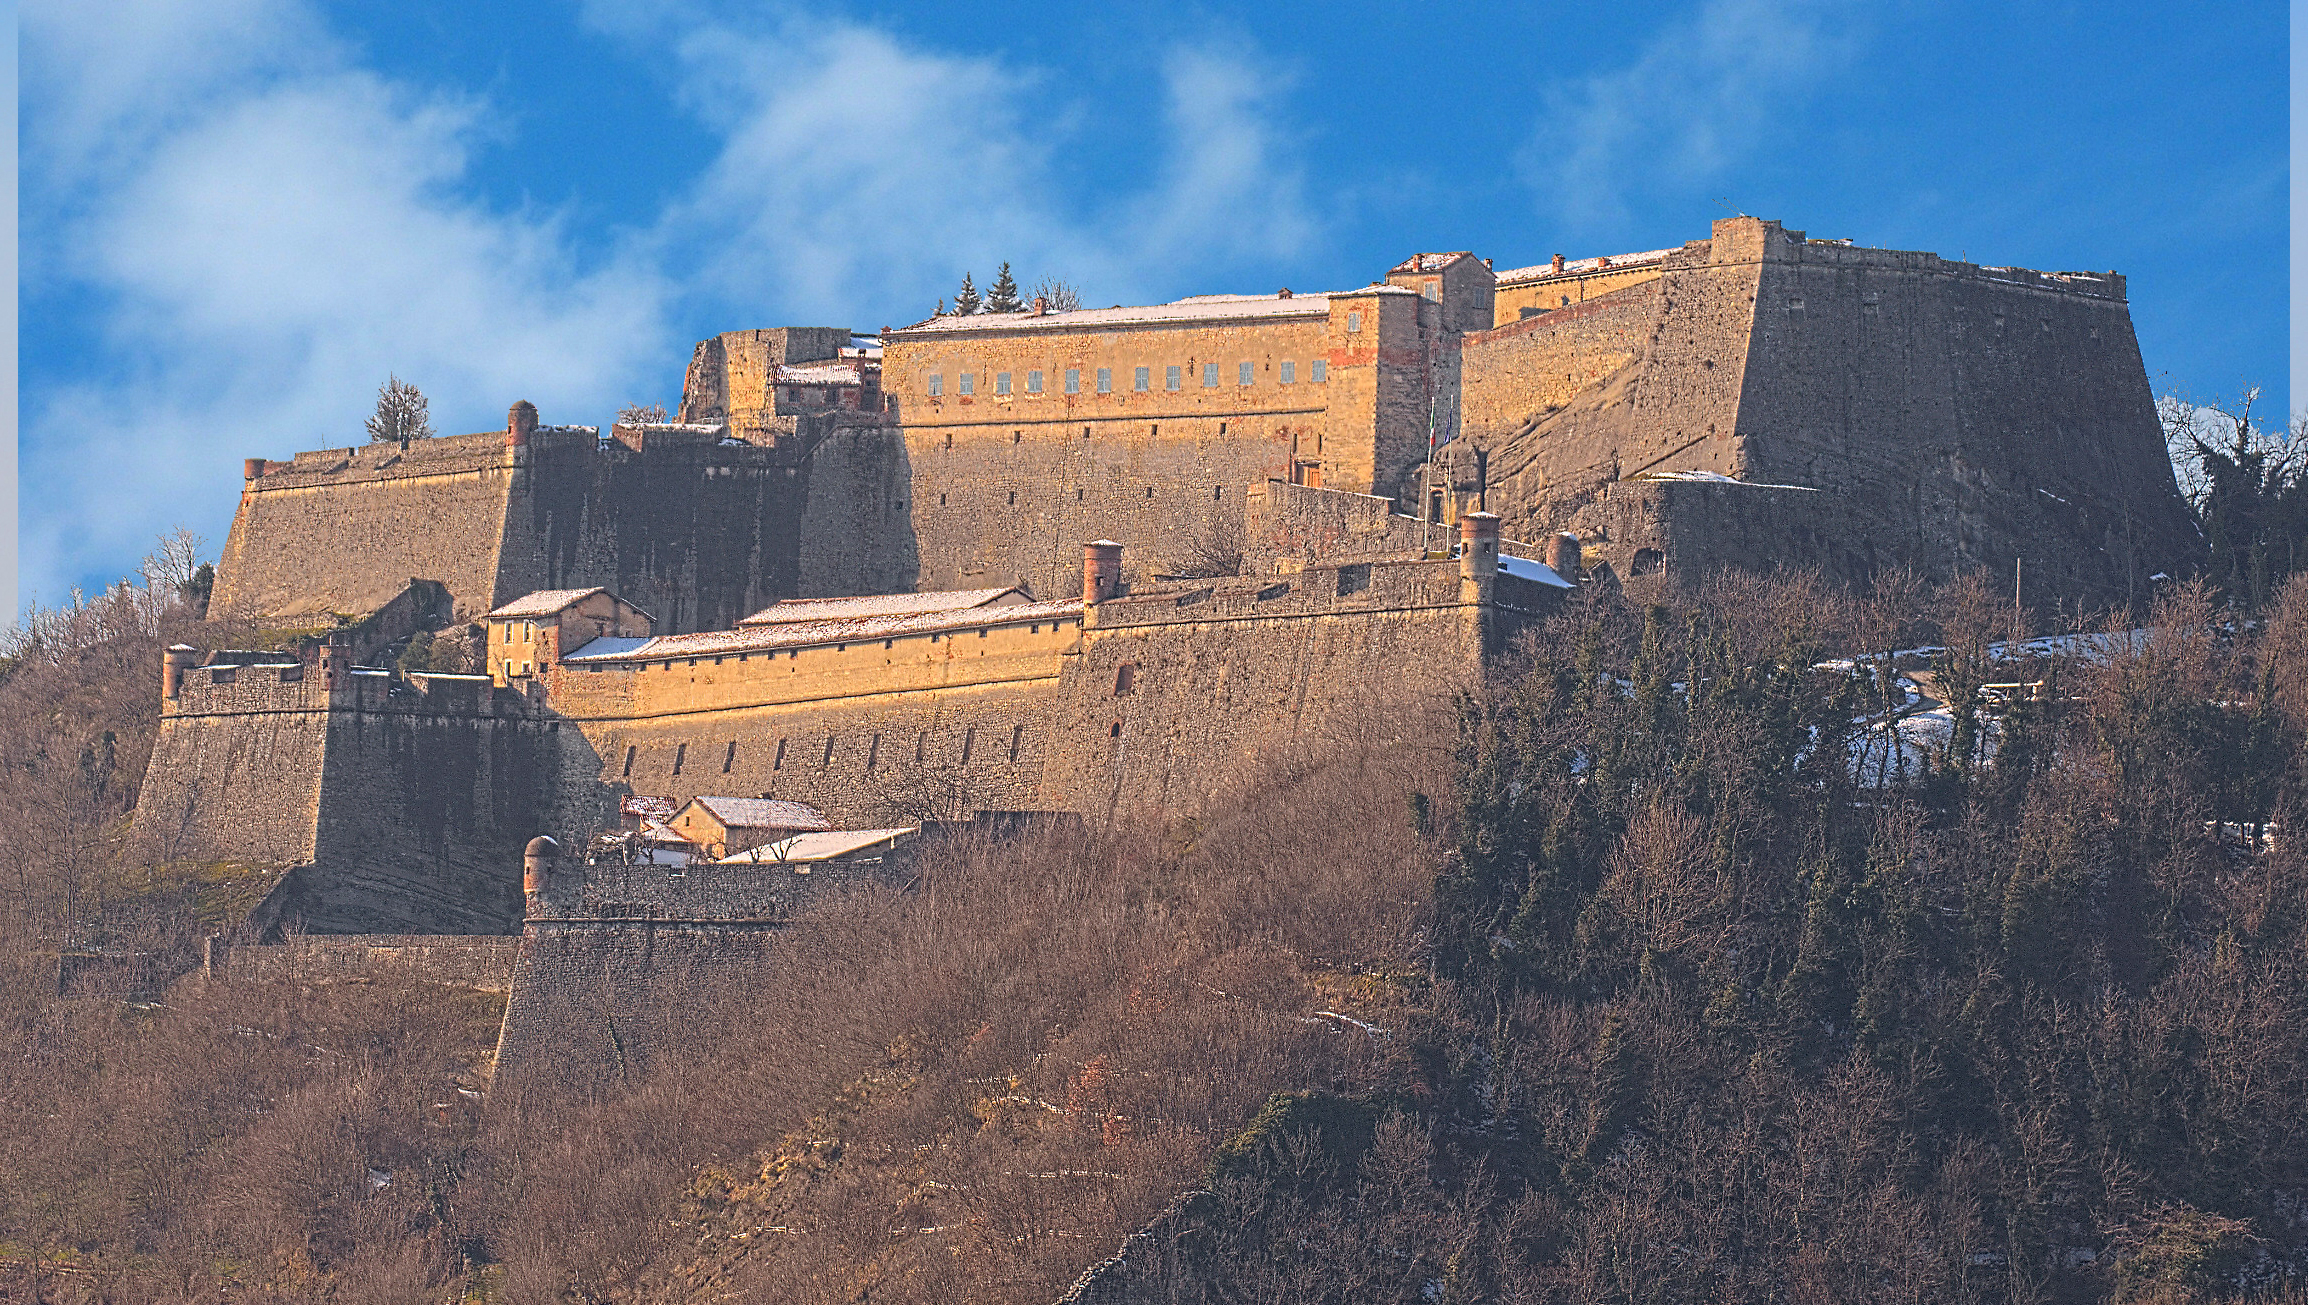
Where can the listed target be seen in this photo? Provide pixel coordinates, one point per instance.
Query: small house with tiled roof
(536, 629)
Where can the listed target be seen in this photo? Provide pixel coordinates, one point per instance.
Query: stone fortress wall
(1750, 399)
(1947, 416)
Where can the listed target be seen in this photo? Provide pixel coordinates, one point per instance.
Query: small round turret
(537, 866)
(520, 423)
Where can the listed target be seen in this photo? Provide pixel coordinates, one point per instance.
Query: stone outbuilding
(537, 629)
(720, 826)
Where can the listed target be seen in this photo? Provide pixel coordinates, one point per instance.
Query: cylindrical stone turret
(1478, 556)
(520, 423)
(253, 468)
(1101, 571)
(1563, 556)
(174, 662)
(537, 871)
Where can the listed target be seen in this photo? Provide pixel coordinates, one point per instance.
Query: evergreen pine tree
(966, 298)
(1003, 298)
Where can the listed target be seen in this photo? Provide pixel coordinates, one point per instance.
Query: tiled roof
(817, 847)
(1582, 266)
(762, 813)
(544, 602)
(804, 634)
(819, 609)
(647, 807)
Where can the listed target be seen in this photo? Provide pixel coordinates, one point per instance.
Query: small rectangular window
(1244, 373)
(729, 758)
(1001, 382)
(1354, 321)
(1290, 373)
(629, 759)
(680, 754)
(1105, 380)
(937, 383)
(1033, 382)
(969, 741)
(1142, 379)
(1318, 371)
(1017, 736)
(827, 759)
(1173, 378)
(1073, 380)
(1210, 376)
(969, 383)
(778, 762)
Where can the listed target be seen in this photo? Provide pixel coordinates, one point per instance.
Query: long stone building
(850, 571)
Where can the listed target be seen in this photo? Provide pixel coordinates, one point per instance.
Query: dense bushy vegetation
(1615, 988)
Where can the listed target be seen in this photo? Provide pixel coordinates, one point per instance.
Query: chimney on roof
(1563, 556)
(1558, 263)
(1041, 306)
(1101, 571)
(1285, 293)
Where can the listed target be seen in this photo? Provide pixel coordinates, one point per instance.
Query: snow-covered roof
(1199, 308)
(821, 609)
(1715, 478)
(847, 371)
(647, 807)
(803, 634)
(761, 813)
(1583, 266)
(1430, 262)
(818, 847)
(544, 602)
(1523, 568)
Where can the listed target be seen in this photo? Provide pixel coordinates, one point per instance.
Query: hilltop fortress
(852, 571)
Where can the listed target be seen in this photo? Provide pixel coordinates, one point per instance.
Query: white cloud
(269, 231)
(262, 228)
(1695, 102)
(860, 171)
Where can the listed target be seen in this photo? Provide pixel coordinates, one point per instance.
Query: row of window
(1173, 378)
(875, 754)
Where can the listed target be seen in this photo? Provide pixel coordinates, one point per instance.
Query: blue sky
(239, 215)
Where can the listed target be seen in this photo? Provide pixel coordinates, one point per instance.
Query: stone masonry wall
(1005, 488)
(483, 963)
(1983, 414)
(305, 541)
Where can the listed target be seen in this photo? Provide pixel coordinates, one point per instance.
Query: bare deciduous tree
(402, 413)
(642, 414)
